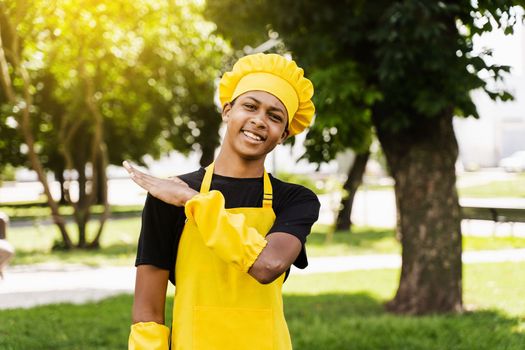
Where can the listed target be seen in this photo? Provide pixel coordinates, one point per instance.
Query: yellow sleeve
(148, 336)
(225, 233)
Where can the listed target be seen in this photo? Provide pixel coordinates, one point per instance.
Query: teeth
(252, 135)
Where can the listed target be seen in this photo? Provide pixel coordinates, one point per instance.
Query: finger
(133, 172)
(127, 166)
(147, 177)
(142, 179)
(131, 169)
(139, 180)
(176, 179)
(136, 173)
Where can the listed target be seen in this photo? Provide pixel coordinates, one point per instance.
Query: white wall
(500, 130)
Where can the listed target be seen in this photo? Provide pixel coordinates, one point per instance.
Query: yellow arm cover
(225, 233)
(148, 336)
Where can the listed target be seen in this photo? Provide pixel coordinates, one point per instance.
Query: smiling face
(256, 123)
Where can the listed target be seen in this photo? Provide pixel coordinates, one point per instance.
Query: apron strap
(267, 191)
(206, 181)
(267, 186)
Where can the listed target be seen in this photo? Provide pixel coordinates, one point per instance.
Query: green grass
(119, 243)
(472, 243)
(514, 187)
(486, 286)
(324, 311)
(34, 244)
(362, 240)
(344, 311)
(27, 211)
(369, 240)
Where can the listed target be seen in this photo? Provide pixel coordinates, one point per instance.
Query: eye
(249, 106)
(276, 117)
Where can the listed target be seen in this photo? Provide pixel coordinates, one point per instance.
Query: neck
(238, 167)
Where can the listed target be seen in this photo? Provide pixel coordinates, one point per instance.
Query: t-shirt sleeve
(296, 216)
(158, 240)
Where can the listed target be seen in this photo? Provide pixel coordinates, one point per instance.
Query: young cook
(228, 234)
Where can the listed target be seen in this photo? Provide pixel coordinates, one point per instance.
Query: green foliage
(7, 173)
(324, 311)
(344, 115)
(399, 62)
(10, 142)
(107, 82)
(152, 66)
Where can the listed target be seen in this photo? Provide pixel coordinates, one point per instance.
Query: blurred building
(500, 131)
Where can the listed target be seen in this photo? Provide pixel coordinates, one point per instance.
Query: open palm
(173, 190)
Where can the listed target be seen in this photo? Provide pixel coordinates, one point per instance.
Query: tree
(9, 151)
(338, 130)
(92, 84)
(418, 57)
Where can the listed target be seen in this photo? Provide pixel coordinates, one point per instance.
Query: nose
(258, 121)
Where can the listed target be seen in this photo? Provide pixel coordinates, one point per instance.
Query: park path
(28, 286)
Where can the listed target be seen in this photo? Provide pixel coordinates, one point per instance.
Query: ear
(225, 110)
(284, 136)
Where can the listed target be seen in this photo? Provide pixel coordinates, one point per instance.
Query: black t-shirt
(296, 209)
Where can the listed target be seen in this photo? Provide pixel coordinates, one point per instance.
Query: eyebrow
(271, 108)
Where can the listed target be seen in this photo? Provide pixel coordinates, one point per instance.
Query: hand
(173, 190)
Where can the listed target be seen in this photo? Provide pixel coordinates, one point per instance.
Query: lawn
(33, 243)
(324, 312)
(513, 187)
(25, 211)
(370, 240)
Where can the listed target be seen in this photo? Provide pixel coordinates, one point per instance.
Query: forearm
(228, 235)
(148, 331)
(150, 294)
(225, 233)
(277, 257)
(147, 314)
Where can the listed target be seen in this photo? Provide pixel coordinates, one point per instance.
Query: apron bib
(217, 306)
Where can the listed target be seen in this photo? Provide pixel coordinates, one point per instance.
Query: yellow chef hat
(278, 76)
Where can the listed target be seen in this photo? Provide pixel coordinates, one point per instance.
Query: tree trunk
(99, 158)
(353, 181)
(428, 222)
(103, 185)
(59, 175)
(82, 215)
(82, 207)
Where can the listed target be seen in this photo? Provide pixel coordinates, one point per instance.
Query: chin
(252, 157)
(255, 155)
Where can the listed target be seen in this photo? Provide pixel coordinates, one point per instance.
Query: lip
(262, 137)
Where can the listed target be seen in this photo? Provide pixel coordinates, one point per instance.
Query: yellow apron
(218, 305)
